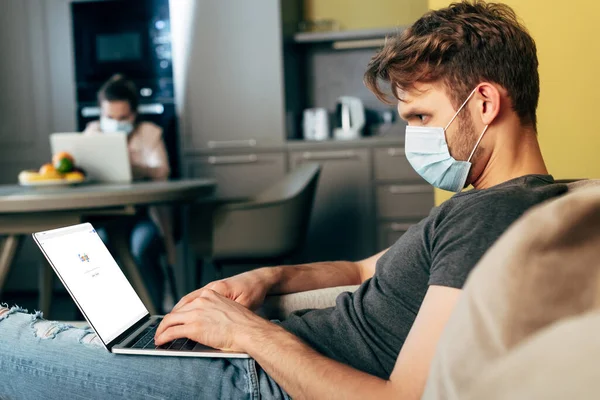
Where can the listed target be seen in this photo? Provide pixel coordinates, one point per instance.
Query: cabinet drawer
(391, 164)
(342, 224)
(390, 232)
(404, 201)
(239, 175)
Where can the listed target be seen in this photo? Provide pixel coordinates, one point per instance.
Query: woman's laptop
(104, 157)
(105, 297)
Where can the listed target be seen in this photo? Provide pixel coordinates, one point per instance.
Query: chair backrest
(273, 224)
(292, 185)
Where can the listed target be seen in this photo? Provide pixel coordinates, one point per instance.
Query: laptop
(105, 297)
(104, 157)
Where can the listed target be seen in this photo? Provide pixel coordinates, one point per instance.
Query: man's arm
(299, 278)
(303, 373)
(219, 322)
(250, 288)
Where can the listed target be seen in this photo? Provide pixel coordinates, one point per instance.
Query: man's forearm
(304, 373)
(299, 278)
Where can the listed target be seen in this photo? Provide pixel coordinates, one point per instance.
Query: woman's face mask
(117, 117)
(109, 125)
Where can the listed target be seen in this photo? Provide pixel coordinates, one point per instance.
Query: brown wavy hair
(462, 45)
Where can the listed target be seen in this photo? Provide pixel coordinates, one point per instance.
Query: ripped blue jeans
(42, 359)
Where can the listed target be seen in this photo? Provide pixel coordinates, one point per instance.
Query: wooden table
(24, 211)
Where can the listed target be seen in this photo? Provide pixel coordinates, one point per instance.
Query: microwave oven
(130, 37)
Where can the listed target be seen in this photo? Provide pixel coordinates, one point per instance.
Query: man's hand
(210, 319)
(248, 289)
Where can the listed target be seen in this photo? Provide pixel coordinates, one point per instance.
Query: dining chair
(265, 229)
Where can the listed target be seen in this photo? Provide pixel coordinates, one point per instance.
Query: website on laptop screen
(94, 279)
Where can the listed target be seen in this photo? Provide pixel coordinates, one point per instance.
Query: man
(471, 68)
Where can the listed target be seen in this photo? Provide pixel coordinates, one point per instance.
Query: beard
(464, 141)
(465, 138)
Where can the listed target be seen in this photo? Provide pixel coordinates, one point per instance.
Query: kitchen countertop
(309, 145)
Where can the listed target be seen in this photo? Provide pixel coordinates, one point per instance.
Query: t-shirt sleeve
(461, 239)
(149, 159)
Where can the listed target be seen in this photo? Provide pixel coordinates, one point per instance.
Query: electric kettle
(350, 118)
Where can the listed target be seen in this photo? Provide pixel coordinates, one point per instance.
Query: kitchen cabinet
(238, 175)
(228, 69)
(341, 226)
(390, 164)
(402, 197)
(404, 201)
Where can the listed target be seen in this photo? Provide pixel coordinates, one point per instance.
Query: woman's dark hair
(118, 88)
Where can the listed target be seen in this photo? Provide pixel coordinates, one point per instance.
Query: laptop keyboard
(145, 340)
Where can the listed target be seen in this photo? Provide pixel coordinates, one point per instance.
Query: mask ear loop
(477, 144)
(460, 108)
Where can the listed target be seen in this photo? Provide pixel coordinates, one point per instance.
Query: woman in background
(152, 232)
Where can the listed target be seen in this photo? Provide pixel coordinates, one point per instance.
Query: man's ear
(487, 100)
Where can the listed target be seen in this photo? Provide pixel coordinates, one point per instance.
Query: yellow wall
(569, 53)
(361, 14)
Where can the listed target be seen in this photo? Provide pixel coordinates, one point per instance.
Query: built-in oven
(131, 37)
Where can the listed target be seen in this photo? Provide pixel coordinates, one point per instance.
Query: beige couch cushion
(280, 307)
(557, 363)
(545, 268)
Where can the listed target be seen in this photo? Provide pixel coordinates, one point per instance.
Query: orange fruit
(47, 168)
(60, 155)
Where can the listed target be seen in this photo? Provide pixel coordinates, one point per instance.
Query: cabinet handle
(396, 152)
(396, 227)
(224, 160)
(331, 155)
(409, 189)
(90, 112)
(143, 109)
(227, 144)
(358, 44)
(151, 109)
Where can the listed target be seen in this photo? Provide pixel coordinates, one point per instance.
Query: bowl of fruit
(61, 172)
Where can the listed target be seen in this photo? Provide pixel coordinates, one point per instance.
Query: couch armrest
(280, 307)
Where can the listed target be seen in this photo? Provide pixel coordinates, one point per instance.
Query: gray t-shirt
(367, 329)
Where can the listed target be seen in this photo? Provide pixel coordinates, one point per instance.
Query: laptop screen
(93, 278)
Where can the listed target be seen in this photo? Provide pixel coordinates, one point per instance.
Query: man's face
(427, 104)
(118, 110)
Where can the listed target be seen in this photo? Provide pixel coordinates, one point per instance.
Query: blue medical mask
(109, 125)
(427, 151)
